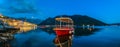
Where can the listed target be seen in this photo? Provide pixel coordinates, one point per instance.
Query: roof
(65, 19)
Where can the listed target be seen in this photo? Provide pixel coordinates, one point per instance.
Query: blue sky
(105, 10)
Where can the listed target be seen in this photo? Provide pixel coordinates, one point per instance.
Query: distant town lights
(1, 16)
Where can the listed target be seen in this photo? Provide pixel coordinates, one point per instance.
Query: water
(100, 37)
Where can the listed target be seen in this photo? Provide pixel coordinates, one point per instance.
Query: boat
(63, 26)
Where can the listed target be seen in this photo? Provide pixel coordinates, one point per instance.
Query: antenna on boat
(60, 22)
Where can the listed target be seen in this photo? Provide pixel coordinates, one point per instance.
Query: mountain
(78, 20)
(115, 24)
(35, 21)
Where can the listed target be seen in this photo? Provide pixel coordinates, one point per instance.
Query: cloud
(18, 6)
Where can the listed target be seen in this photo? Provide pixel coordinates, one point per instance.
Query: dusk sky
(107, 11)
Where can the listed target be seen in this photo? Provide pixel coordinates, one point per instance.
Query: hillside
(78, 20)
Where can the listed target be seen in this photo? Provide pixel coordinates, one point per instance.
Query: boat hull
(65, 31)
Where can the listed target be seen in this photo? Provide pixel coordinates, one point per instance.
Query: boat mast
(60, 22)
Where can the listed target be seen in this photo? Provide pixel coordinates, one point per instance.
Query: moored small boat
(64, 29)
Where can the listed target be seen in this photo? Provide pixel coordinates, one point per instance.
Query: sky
(107, 11)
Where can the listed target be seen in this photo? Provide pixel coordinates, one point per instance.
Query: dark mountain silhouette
(78, 20)
(35, 21)
(115, 24)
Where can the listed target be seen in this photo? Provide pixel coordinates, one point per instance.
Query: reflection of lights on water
(90, 29)
(23, 26)
(25, 29)
(5, 44)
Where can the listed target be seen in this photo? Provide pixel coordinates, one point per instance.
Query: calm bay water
(101, 37)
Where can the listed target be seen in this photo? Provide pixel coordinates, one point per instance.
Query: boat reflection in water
(26, 29)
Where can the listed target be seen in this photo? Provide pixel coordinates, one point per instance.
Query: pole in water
(93, 26)
(88, 26)
(60, 22)
(83, 26)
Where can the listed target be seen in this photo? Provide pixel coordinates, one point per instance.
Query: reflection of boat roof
(65, 19)
(63, 43)
(63, 40)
